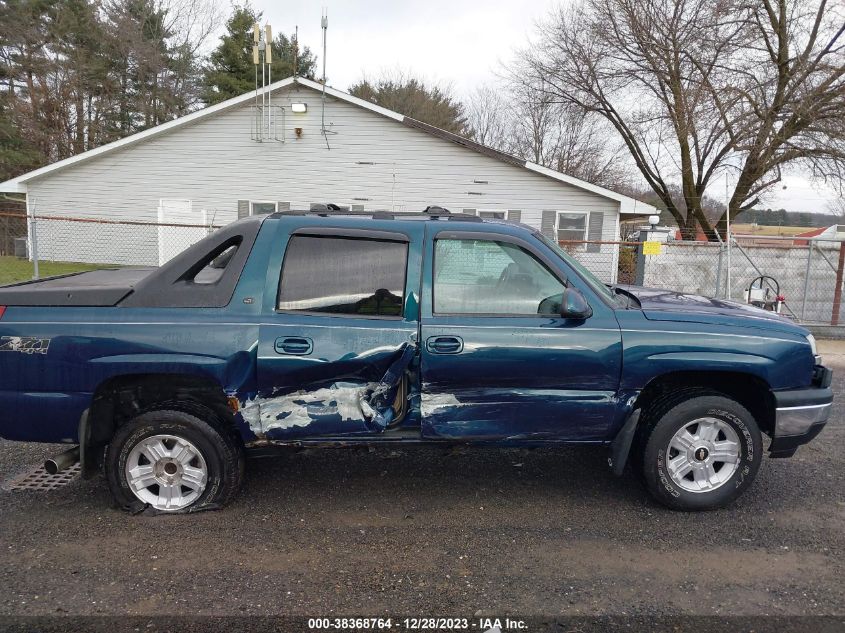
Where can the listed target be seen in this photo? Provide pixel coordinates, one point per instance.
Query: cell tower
(264, 125)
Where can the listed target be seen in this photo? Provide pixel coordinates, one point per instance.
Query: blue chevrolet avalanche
(337, 329)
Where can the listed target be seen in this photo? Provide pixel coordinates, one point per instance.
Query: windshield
(601, 289)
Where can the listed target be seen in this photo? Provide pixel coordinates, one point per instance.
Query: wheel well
(121, 398)
(748, 390)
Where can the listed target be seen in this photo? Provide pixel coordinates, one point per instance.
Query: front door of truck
(341, 314)
(498, 361)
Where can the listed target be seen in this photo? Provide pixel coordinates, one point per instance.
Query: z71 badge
(24, 344)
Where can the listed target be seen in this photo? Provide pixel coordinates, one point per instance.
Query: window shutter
(594, 228)
(514, 215)
(243, 208)
(283, 206)
(548, 224)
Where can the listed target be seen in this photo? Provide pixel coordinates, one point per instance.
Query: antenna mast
(262, 55)
(268, 60)
(256, 38)
(324, 23)
(296, 51)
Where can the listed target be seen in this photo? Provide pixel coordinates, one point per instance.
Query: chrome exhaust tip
(62, 461)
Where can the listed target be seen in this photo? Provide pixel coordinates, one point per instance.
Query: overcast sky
(455, 42)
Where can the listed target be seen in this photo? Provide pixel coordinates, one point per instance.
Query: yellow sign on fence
(652, 248)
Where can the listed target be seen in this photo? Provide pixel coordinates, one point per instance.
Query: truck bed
(106, 287)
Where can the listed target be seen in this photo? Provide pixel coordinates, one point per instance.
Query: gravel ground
(435, 532)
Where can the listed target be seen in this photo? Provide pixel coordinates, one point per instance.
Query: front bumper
(801, 414)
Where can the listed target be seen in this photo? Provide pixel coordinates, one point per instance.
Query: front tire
(701, 453)
(172, 461)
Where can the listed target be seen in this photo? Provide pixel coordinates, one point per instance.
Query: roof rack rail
(441, 212)
(433, 212)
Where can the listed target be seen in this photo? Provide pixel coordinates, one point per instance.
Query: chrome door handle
(444, 344)
(294, 345)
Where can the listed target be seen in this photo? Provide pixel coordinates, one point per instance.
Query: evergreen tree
(77, 34)
(17, 155)
(75, 74)
(412, 97)
(230, 71)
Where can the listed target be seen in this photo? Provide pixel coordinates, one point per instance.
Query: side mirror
(574, 305)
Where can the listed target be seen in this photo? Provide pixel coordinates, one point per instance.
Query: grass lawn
(13, 269)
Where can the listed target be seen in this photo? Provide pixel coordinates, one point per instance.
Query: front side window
(571, 226)
(340, 275)
(489, 277)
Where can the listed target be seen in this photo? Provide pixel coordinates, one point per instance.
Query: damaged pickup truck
(336, 329)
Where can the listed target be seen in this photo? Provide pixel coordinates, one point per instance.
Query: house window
(492, 215)
(571, 226)
(261, 207)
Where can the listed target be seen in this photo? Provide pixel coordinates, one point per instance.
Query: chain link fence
(42, 245)
(12, 235)
(805, 272)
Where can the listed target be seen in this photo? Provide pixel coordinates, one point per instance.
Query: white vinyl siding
(214, 163)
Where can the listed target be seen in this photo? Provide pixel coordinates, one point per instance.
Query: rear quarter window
(344, 276)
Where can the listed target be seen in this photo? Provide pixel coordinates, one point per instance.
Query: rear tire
(701, 453)
(173, 461)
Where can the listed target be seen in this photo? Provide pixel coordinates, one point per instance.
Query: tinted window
(487, 277)
(341, 275)
(213, 271)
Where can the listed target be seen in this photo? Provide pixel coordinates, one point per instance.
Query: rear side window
(340, 275)
(213, 271)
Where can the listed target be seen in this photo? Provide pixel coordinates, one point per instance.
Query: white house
(307, 146)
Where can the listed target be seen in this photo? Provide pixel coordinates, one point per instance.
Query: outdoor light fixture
(298, 107)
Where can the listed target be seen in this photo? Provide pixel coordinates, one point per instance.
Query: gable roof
(626, 203)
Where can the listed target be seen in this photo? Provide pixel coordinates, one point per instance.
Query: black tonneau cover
(96, 288)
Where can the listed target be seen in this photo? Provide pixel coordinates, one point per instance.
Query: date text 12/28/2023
(485, 624)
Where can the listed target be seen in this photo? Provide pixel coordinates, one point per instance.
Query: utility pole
(728, 216)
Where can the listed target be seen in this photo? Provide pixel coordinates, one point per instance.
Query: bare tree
(837, 206)
(522, 118)
(788, 103)
(487, 116)
(564, 137)
(695, 88)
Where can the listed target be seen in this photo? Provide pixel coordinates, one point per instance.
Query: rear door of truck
(341, 306)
